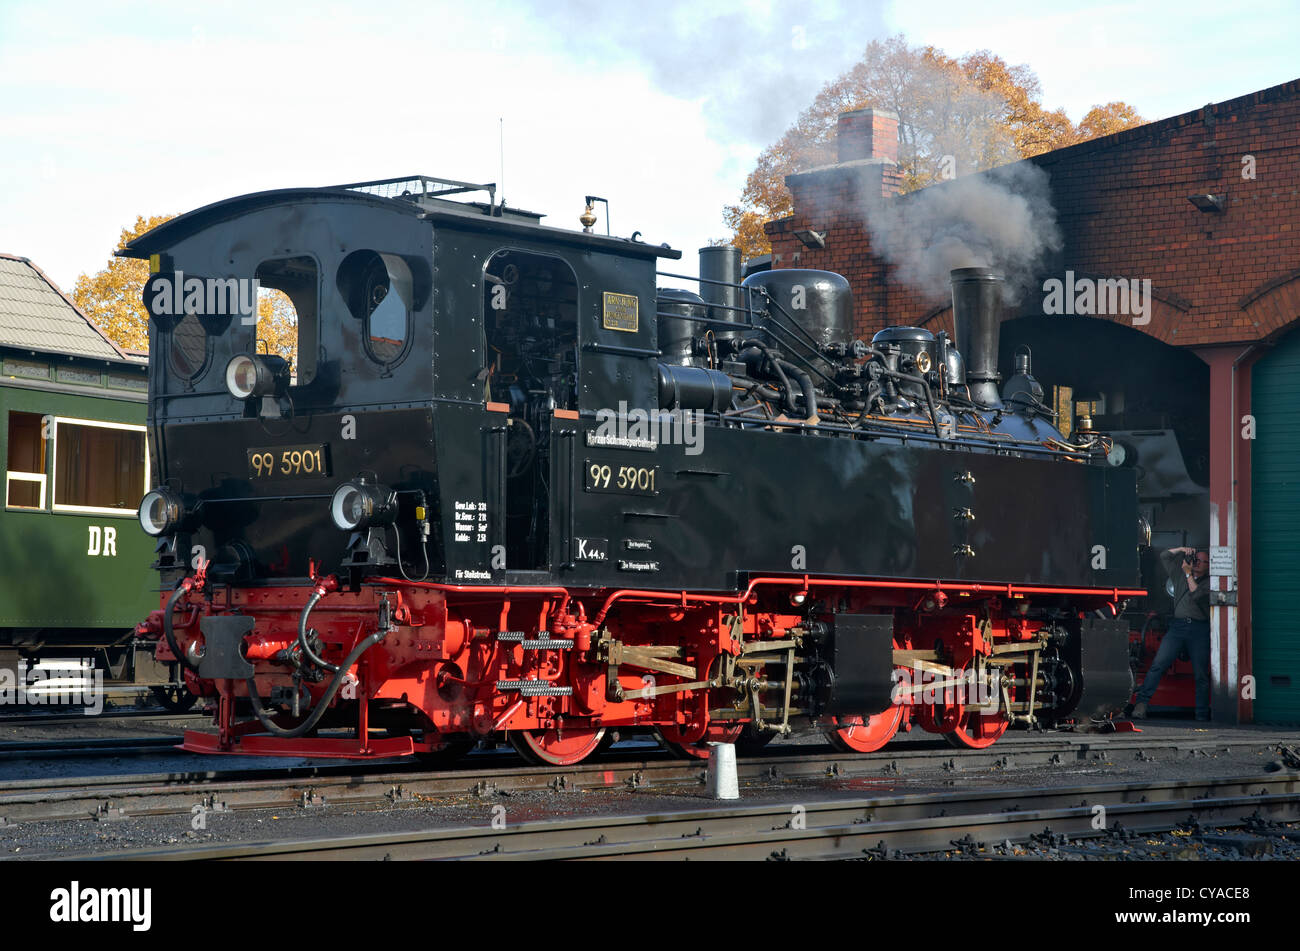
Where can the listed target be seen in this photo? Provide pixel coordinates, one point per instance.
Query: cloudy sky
(110, 110)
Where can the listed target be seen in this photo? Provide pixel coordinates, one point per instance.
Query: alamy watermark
(176, 295)
(922, 685)
(644, 429)
(58, 683)
(81, 904)
(1099, 297)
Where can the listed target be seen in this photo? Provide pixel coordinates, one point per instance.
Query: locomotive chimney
(977, 319)
(721, 264)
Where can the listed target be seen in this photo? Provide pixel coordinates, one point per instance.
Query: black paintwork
(753, 501)
(861, 654)
(222, 639)
(1105, 680)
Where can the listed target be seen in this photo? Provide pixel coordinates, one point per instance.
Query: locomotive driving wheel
(718, 731)
(977, 731)
(690, 742)
(856, 734)
(979, 727)
(557, 747)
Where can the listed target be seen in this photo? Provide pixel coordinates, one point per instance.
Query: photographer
(1189, 570)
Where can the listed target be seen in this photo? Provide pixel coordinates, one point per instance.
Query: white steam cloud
(1002, 218)
(752, 64)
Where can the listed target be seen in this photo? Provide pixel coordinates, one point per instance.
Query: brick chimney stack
(867, 134)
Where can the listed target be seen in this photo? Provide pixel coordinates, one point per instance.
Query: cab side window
(382, 291)
(288, 320)
(189, 349)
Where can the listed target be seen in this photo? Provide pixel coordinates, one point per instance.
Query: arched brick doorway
(1154, 399)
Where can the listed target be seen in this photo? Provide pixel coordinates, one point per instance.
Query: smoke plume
(752, 64)
(1002, 218)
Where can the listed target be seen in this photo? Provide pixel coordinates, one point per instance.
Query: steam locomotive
(510, 486)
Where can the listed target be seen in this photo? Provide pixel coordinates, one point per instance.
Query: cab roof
(421, 196)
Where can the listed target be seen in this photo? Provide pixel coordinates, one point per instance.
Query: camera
(1189, 558)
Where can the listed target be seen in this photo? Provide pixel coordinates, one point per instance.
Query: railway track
(81, 719)
(897, 757)
(88, 747)
(862, 827)
(385, 785)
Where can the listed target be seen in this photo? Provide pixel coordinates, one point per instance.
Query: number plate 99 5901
(289, 462)
(629, 480)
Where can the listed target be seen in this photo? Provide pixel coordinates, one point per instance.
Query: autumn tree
(112, 298)
(1105, 120)
(973, 113)
(277, 324)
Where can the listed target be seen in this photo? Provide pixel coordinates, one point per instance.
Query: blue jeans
(1195, 636)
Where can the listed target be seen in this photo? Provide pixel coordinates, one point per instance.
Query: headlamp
(255, 374)
(162, 511)
(360, 504)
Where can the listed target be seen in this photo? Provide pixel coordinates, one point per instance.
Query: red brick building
(1206, 205)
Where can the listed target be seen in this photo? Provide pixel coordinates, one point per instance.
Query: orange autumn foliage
(112, 298)
(975, 112)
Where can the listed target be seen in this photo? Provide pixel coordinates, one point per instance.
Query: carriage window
(25, 469)
(189, 348)
(287, 322)
(98, 466)
(380, 291)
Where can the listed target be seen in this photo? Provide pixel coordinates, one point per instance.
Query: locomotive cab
(254, 433)
(251, 433)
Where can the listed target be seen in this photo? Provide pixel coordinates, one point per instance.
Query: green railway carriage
(74, 563)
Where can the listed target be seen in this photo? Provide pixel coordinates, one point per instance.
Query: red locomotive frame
(458, 663)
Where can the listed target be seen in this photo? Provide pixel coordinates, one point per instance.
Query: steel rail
(81, 719)
(834, 829)
(87, 747)
(383, 784)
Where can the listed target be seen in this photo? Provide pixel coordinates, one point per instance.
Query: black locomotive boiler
(511, 486)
